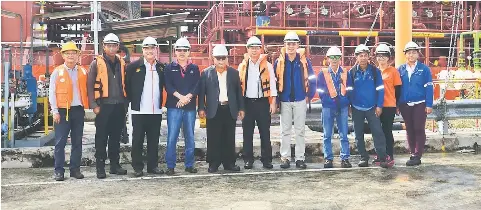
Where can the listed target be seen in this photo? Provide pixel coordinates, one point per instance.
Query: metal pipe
(96, 29)
(6, 66)
(12, 119)
(151, 8)
(477, 16)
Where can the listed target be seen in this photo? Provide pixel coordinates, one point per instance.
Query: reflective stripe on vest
(264, 75)
(101, 86)
(280, 68)
(64, 87)
(330, 83)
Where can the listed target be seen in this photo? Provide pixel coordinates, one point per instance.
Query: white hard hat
(182, 43)
(111, 39)
(333, 51)
(361, 48)
(149, 41)
(220, 50)
(291, 36)
(254, 41)
(411, 46)
(383, 49)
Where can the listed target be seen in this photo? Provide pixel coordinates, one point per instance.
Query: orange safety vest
(64, 87)
(330, 83)
(264, 74)
(280, 69)
(101, 87)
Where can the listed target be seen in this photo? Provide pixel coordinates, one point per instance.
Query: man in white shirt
(258, 84)
(144, 86)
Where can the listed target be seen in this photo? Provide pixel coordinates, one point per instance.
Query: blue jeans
(328, 116)
(175, 119)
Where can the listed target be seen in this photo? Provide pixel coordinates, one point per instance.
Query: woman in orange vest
(68, 99)
(392, 91)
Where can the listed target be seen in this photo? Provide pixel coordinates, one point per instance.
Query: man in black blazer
(221, 101)
(144, 86)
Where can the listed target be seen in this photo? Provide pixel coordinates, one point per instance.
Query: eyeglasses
(70, 53)
(382, 56)
(182, 50)
(221, 58)
(335, 57)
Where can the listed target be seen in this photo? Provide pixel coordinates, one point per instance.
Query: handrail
(199, 32)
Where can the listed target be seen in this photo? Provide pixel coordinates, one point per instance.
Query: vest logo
(138, 70)
(62, 80)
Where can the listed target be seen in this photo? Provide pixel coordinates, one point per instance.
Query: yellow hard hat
(69, 46)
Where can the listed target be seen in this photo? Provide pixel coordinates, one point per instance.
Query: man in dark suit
(221, 101)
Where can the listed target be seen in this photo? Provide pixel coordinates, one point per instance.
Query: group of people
(223, 95)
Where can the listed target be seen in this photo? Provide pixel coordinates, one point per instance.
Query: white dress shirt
(150, 99)
(254, 87)
(222, 77)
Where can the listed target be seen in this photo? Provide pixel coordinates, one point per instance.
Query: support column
(426, 51)
(403, 28)
(342, 50)
(307, 46)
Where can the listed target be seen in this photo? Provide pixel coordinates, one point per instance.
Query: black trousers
(143, 124)
(387, 120)
(108, 126)
(257, 111)
(221, 138)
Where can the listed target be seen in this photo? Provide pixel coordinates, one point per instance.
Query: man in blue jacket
(416, 101)
(367, 100)
(181, 84)
(296, 84)
(333, 86)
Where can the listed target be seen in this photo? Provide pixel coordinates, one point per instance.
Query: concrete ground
(444, 181)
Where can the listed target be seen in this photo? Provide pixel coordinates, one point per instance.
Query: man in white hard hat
(107, 98)
(296, 85)
(221, 101)
(258, 83)
(367, 99)
(416, 100)
(392, 91)
(144, 85)
(333, 87)
(181, 84)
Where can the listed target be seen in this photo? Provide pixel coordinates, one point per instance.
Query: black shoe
(267, 165)
(100, 166)
(413, 161)
(191, 170)
(170, 172)
(286, 164)
(155, 170)
(138, 173)
(116, 168)
(363, 163)
(76, 174)
(248, 165)
(346, 164)
(59, 176)
(300, 164)
(213, 169)
(328, 164)
(232, 167)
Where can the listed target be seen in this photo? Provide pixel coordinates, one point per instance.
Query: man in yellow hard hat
(68, 99)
